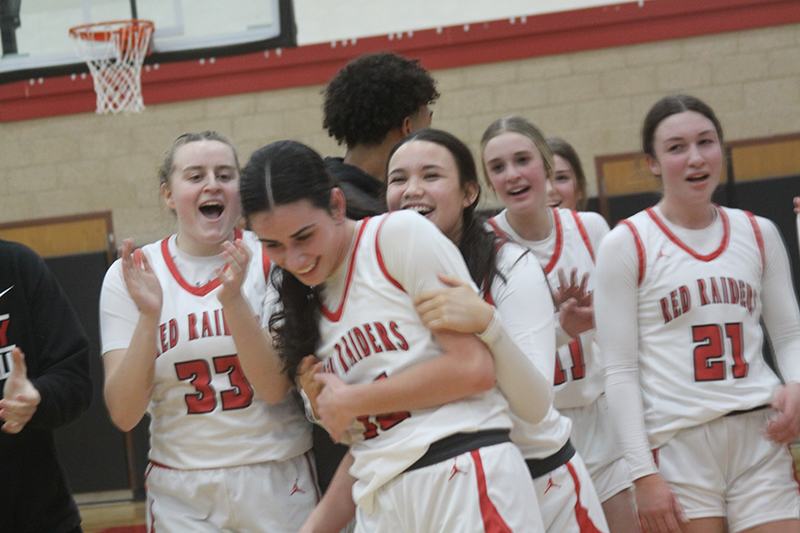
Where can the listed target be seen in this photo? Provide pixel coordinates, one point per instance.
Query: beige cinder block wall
(596, 99)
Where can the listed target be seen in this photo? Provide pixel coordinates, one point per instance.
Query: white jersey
(700, 339)
(566, 495)
(521, 310)
(370, 330)
(578, 378)
(204, 413)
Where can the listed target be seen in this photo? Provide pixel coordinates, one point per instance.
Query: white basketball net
(115, 53)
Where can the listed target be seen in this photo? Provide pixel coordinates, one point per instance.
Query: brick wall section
(596, 99)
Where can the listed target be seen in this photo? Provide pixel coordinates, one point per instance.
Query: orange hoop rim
(87, 33)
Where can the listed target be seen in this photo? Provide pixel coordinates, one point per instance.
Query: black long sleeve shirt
(36, 316)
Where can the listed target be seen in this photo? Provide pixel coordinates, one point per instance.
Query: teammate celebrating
(519, 165)
(681, 288)
(432, 172)
(347, 292)
(567, 188)
(216, 447)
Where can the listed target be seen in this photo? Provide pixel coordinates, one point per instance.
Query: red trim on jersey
(497, 229)
(726, 237)
(639, 248)
(380, 258)
(159, 465)
(492, 521)
(759, 238)
(585, 524)
(197, 291)
(559, 241)
(487, 297)
(336, 315)
(151, 527)
(584, 234)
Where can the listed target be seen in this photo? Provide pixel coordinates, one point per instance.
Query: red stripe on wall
(453, 46)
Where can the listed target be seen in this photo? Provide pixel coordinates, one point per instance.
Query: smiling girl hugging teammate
(429, 449)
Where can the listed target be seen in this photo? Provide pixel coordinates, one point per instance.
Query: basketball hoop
(115, 52)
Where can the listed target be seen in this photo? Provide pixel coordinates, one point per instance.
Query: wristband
(310, 415)
(562, 337)
(491, 328)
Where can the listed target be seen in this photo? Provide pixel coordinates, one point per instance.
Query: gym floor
(125, 517)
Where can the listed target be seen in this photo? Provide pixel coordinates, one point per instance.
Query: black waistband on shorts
(459, 443)
(745, 411)
(540, 467)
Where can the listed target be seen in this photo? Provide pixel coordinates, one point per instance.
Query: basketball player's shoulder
(510, 254)
(152, 251)
(622, 232)
(740, 214)
(403, 218)
(250, 238)
(590, 219)
(404, 226)
(636, 223)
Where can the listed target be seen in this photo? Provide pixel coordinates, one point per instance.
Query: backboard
(36, 42)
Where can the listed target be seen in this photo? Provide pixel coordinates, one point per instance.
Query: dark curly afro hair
(373, 94)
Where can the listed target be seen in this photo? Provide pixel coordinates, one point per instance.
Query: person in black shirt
(44, 376)
(370, 105)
